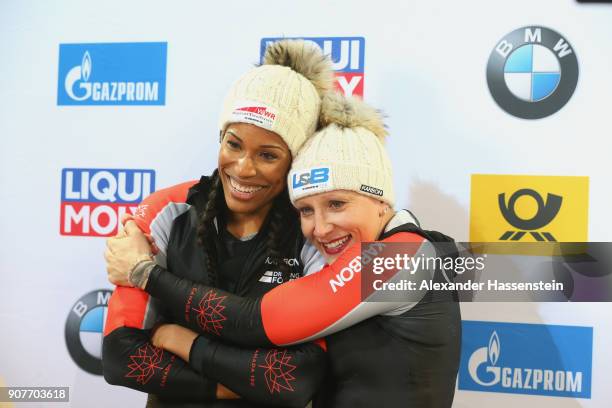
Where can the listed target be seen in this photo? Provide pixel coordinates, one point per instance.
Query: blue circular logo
(84, 330)
(532, 72)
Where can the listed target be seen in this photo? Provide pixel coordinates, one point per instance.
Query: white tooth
(243, 188)
(336, 244)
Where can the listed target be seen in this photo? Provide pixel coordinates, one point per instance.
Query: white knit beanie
(346, 154)
(284, 94)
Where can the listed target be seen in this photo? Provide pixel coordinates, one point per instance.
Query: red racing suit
(392, 354)
(262, 376)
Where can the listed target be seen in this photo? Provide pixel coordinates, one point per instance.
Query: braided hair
(281, 211)
(206, 227)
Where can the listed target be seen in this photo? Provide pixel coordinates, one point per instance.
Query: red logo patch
(210, 316)
(278, 371)
(144, 363)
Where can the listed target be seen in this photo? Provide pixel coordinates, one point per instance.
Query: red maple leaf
(210, 316)
(144, 363)
(278, 371)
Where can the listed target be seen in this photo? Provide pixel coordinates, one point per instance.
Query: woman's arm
(295, 312)
(286, 377)
(131, 360)
(125, 342)
(162, 364)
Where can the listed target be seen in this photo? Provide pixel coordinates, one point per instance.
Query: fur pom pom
(305, 59)
(351, 112)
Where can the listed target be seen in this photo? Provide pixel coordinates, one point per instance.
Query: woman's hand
(175, 339)
(124, 252)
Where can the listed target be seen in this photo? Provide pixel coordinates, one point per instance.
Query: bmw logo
(532, 72)
(85, 328)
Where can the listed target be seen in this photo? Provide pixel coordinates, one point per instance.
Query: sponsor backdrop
(499, 114)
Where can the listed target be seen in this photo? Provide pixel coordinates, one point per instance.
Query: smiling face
(253, 166)
(334, 220)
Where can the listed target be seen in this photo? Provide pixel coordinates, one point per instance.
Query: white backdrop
(425, 66)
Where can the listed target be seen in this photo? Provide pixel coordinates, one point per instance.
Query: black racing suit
(381, 353)
(273, 376)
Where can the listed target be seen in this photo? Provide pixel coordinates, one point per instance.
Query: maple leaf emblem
(209, 312)
(278, 371)
(144, 363)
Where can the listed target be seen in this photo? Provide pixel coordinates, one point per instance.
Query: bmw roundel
(84, 330)
(532, 72)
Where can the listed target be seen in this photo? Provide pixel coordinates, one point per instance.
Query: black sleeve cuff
(153, 278)
(202, 353)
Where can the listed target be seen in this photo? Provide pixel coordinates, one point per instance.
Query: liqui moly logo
(94, 200)
(526, 359)
(347, 54)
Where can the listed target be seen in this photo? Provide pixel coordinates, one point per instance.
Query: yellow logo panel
(506, 208)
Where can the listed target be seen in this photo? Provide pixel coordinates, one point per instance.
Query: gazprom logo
(483, 355)
(112, 74)
(347, 55)
(526, 359)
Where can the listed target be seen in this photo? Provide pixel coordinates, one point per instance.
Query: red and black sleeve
(129, 359)
(294, 312)
(276, 377)
(287, 377)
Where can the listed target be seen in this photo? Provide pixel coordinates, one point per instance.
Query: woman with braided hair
(235, 230)
(400, 352)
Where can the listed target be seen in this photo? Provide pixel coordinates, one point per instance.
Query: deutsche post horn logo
(532, 72)
(545, 213)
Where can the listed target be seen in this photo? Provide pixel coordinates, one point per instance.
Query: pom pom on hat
(347, 153)
(283, 94)
(303, 58)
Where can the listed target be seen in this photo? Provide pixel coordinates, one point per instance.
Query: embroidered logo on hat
(306, 180)
(255, 113)
(371, 190)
